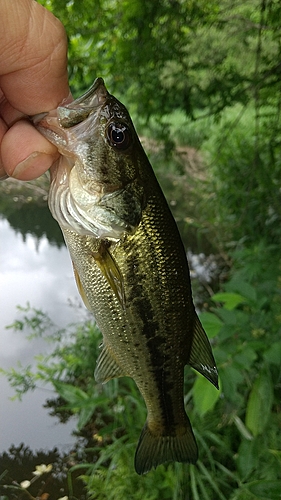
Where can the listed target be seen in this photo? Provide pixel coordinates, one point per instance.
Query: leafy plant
(237, 428)
(248, 351)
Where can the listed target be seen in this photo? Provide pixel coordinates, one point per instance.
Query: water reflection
(35, 271)
(24, 206)
(37, 221)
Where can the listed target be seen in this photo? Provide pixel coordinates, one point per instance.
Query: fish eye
(119, 136)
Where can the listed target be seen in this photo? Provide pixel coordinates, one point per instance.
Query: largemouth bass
(130, 266)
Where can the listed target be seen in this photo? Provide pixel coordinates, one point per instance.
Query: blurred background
(201, 81)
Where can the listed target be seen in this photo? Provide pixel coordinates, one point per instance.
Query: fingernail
(33, 166)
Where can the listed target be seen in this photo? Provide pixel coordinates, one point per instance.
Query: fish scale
(130, 266)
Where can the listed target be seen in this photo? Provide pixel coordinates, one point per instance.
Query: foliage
(238, 428)
(25, 475)
(245, 176)
(174, 54)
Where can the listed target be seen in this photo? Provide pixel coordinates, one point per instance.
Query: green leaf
(259, 404)
(228, 317)
(265, 489)
(70, 393)
(242, 287)
(205, 395)
(245, 357)
(242, 428)
(273, 354)
(211, 323)
(230, 300)
(220, 355)
(79, 401)
(248, 457)
(231, 377)
(85, 415)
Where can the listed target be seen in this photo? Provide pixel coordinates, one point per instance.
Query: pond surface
(39, 273)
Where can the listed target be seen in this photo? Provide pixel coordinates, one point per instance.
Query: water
(37, 272)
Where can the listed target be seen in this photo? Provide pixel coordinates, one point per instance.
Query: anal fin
(107, 367)
(201, 357)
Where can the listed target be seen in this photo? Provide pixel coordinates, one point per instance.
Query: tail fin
(154, 450)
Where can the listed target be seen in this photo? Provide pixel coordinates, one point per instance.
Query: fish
(130, 266)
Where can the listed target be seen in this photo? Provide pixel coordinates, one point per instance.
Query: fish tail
(154, 449)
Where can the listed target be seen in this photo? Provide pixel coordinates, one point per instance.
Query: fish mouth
(54, 124)
(75, 112)
(94, 96)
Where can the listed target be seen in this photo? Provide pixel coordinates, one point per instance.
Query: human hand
(33, 79)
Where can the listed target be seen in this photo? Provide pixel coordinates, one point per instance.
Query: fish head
(96, 186)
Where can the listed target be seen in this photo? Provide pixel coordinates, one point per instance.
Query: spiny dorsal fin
(154, 450)
(201, 357)
(111, 271)
(107, 368)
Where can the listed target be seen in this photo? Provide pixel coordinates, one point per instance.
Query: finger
(3, 129)
(25, 153)
(9, 114)
(37, 80)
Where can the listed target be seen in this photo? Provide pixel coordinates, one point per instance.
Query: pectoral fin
(80, 288)
(111, 272)
(201, 357)
(107, 367)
